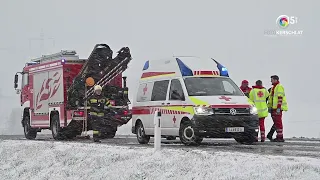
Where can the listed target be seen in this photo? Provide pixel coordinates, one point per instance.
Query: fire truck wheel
(141, 136)
(55, 128)
(29, 133)
(187, 135)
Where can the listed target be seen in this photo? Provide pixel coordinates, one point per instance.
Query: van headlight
(253, 110)
(203, 110)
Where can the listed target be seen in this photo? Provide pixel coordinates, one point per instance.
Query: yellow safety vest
(94, 101)
(259, 98)
(273, 100)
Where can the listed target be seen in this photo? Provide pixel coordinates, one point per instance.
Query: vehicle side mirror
(16, 77)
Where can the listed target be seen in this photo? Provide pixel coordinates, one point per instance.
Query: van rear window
(211, 86)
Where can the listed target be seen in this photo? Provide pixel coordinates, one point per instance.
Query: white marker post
(157, 130)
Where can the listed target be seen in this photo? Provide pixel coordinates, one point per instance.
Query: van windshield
(211, 86)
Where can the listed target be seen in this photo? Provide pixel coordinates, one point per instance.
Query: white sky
(230, 31)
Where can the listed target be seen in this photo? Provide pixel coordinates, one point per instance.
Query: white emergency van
(197, 100)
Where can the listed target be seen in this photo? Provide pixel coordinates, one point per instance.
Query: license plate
(234, 129)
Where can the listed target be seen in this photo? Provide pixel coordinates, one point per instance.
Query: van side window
(176, 91)
(159, 91)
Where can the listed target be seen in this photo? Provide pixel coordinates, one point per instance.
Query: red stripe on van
(137, 111)
(206, 73)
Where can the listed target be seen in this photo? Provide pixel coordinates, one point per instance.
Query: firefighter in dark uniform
(97, 104)
(273, 128)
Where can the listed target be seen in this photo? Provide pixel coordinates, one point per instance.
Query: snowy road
(292, 147)
(123, 158)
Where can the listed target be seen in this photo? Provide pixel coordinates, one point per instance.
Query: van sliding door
(158, 99)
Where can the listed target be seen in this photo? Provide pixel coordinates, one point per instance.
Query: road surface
(292, 147)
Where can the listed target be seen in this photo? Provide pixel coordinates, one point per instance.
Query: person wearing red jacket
(245, 87)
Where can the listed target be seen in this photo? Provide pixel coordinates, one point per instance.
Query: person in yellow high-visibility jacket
(277, 103)
(258, 95)
(273, 128)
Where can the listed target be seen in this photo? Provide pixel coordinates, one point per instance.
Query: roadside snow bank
(62, 160)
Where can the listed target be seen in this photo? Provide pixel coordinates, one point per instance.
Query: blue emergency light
(63, 61)
(146, 65)
(223, 70)
(184, 69)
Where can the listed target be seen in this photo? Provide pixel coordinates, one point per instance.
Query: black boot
(97, 140)
(272, 131)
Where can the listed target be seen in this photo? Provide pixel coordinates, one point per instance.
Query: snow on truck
(54, 92)
(197, 100)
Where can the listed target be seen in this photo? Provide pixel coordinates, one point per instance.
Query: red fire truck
(54, 93)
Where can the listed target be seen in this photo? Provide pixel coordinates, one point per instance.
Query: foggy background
(230, 31)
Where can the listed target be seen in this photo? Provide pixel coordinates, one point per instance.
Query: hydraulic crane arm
(103, 69)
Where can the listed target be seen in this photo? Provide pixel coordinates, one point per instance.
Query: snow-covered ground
(21, 159)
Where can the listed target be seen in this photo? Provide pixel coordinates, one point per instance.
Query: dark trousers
(95, 120)
(272, 131)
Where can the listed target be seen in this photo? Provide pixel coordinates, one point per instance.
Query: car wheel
(141, 135)
(187, 135)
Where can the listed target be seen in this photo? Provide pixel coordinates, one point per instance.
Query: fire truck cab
(43, 92)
